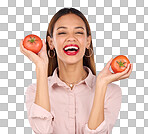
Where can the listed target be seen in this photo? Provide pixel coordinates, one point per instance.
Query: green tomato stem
(32, 40)
(121, 63)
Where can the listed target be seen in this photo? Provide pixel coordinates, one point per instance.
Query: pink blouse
(70, 109)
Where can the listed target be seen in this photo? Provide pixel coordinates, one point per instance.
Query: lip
(71, 45)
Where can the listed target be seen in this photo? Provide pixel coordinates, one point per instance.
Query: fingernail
(129, 65)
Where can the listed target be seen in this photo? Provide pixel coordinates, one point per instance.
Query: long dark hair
(87, 61)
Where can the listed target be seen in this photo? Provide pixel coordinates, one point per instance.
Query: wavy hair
(87, 61)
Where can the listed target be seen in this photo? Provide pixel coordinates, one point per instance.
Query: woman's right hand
(40, 59)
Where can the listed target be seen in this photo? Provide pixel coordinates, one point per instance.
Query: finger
(44, 45)
(118, 75)
(24, 50)
(43, 49)
(126, 75)
(31, 55)
(22, 47)
(109, 62)
(122, 75)
(126, 70)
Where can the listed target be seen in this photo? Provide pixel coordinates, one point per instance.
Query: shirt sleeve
(39, 118)
(112, 107)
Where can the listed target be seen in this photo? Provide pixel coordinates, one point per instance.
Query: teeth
(72, 47)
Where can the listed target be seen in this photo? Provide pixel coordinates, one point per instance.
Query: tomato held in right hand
(40, 59)
(33, 43)
(119, 63)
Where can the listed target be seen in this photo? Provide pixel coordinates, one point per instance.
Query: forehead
(69, 20)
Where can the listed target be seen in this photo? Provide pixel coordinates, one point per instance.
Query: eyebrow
(66, 27)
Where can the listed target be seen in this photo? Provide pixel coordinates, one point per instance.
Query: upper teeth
(70, 48)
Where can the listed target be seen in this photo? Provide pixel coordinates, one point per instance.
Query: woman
(68, 97)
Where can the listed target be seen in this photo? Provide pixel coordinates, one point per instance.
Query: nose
(71, 37)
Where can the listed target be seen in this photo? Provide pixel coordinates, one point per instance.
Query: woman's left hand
(106, 76)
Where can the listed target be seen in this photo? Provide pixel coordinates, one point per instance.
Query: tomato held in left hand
(33, 43)
(119, 63)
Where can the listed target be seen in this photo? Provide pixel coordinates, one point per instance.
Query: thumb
(43, 49)
(44, 44)
(109, 63)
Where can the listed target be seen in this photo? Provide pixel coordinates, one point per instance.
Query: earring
(91, 52)
(53, 54)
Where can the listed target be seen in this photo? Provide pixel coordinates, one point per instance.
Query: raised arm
(39, 113)
(40, 116)
(104, 114)
(42, 93)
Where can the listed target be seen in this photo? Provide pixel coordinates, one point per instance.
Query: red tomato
(33, 43)
(119, 63)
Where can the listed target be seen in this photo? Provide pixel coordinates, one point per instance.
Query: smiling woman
(68, 97)
(69, 22)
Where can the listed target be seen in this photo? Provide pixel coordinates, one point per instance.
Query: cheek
(83, 42)
(60, 40)
(59, 43)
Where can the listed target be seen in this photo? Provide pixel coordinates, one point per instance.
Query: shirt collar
(55, 80)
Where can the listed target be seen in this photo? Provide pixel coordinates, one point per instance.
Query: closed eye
(79, 32)
(65, 33)
(61, 33)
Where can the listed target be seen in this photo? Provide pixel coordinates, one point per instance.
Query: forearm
(97, 112)
(42, 94)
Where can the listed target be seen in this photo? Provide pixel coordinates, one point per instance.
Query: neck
(72, 74)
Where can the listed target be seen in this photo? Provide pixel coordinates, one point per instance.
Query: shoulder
(49, 78)
(114, 86)
(32, 86)
(113, 96)
(113, 90)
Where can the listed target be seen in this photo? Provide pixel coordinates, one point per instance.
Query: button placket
(72, 111)
(71, 105)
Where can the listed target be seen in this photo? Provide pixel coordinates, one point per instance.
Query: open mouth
(71, 51)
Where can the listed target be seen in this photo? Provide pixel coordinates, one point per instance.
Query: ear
(88, 41)
(50, 42)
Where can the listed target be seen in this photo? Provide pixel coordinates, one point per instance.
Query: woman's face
(70, 35)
